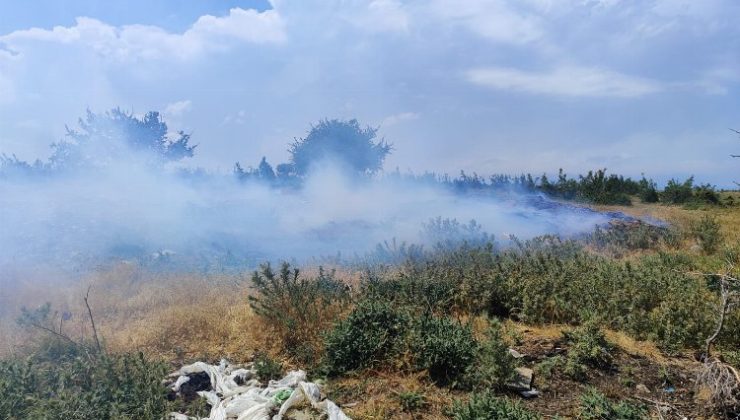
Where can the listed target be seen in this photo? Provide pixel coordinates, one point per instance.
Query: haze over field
(106, 193)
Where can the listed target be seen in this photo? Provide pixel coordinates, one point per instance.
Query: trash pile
(233, 392)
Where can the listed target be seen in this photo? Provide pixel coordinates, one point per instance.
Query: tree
(265, 171)
(104, 138)
(343, 141)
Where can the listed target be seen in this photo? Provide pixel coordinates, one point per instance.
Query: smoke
(112, 191)
(130, 210)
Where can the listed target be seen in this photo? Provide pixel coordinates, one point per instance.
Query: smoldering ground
(129, 211)
(119, 197)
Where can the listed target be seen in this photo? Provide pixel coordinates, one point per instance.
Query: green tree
(343, 141)
(102, 139)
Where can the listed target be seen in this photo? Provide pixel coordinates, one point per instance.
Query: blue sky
(482, 85)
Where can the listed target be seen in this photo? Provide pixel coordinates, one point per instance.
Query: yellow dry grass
(376, 395)
(170, 316)
(684, 218)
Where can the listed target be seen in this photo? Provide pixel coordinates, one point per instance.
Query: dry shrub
(718, 384)
(297, 309)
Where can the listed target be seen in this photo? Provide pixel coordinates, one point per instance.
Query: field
(615, 321)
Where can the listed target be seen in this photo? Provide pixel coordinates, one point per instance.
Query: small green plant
(494, 364)
(707, 233)
(372, 333)
(411, 401)
(486, 406)
(267, 369)
(444, 348)
(595, 406)
(105, 387)
(298, 309)
(546, 368)
(588, 348)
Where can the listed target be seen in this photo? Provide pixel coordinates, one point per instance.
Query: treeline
(596, 187)
(119, 137)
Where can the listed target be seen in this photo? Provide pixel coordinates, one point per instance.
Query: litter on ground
(233, 392)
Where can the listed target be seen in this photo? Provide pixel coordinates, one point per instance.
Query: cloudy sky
(482, 85)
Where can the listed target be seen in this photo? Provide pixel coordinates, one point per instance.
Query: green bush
(548, 280)
(486, 406)
(706, 194)
(684, 319)
(444, 348)
(588, 347)
(107, 387)
(595, 406)
(297, 308)
(372, 333)
(627, 236)
(411, 401)
(494, 365)
(267, 369)
(707, 232)
(676, 192)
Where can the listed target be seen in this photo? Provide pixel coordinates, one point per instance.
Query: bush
(676, 192)
(267, 369)
(706, 194)
(299, 310)
(107, 387)
(707, 232)
(372, 333)
(411, 401)
(489, 407)
(494, 364)
(620, 236)
(588, 348)
(648, 191)
(595, 406)
(443, 347)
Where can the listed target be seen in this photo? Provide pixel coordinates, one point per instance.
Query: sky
(486, 86)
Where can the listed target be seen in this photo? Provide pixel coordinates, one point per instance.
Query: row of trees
(117, 136)
(105, 139)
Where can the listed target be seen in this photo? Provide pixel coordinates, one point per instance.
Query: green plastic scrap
(282, 396)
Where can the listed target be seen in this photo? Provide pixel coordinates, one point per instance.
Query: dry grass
(684, 218)
(170, 316)
(375, 396)
(181, 317)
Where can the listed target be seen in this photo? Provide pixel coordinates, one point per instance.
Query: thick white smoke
(129, 210)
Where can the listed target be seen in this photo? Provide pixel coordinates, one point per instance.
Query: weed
(494, 364)
(486, 406)
(546, 368)
(443, 347)
(267, 369)
(411, 401)
(707, 233)
(588, 348)
(595, 406)
(106, 387)
(372, 333)
(298, 309)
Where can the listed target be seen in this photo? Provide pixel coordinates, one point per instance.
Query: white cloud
(387, 15)
(564, 81)
(146, 41)
(177, 109)
(399, 118)
(495, 20)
